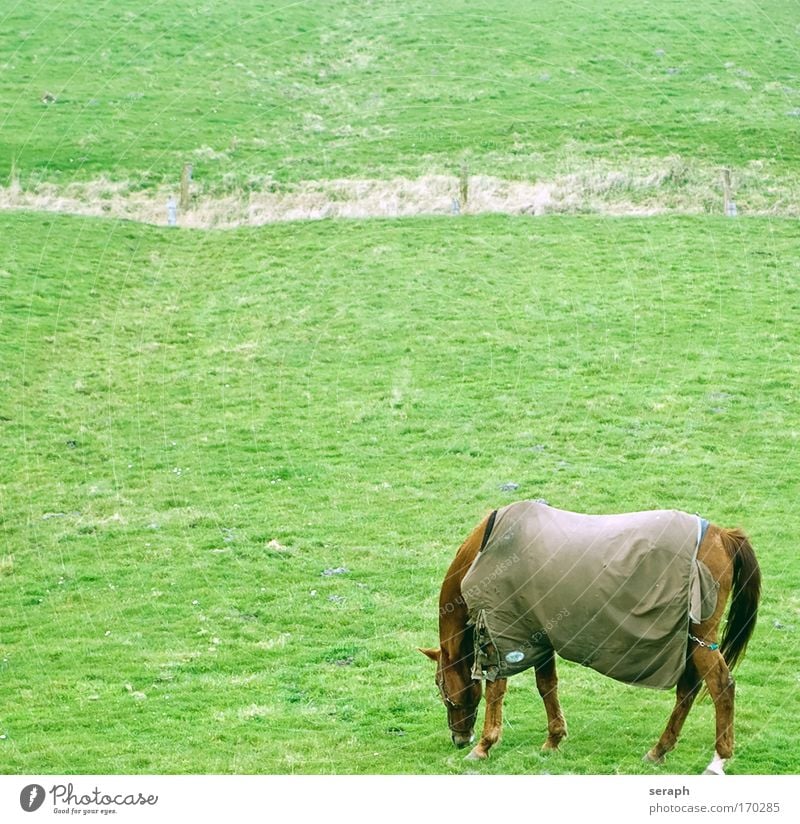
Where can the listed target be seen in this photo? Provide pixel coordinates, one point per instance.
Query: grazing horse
(727, 561)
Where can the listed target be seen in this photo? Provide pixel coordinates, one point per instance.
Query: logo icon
(31, 797)
(515, 656)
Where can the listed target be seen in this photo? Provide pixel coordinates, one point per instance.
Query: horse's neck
(453, 613)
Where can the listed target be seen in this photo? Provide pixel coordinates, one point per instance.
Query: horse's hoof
(652, 758)
(716, 767)
(476, 755)
(552, 742)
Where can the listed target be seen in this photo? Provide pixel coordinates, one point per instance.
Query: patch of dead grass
(639, 188)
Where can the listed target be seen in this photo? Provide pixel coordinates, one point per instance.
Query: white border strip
(407, 799)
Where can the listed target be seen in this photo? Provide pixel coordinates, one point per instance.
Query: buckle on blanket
(485, 663)
(712, 645)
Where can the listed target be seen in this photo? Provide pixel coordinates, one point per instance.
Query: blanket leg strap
(712, 645)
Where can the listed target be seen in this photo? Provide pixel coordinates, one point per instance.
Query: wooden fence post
(463, 185)
(728, 204)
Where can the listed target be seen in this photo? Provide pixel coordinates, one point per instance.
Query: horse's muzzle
(461, 740)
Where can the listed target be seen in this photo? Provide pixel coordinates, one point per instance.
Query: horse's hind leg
(547, 684)
(686, 691)
(493, 720)
(712, 667)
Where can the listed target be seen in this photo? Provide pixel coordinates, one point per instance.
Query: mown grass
(263, 95)
(195, 426)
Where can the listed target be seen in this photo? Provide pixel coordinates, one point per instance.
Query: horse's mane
(453, 613)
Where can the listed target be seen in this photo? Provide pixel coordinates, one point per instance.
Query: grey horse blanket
(613, 592)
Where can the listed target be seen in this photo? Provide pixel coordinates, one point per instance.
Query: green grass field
(263, 95)
(173, 402)
(196, 426)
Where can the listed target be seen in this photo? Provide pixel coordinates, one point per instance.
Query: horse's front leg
(493, 720)
(547, 684)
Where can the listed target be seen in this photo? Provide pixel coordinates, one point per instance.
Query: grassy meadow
(264, 96)
(196, 426)
(234, 465)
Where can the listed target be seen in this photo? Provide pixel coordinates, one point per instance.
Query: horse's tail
(746, 595)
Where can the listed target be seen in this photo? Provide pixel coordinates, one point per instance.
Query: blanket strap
(482, 641)
(712, 645)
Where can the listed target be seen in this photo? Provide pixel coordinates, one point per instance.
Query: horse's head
(460, 693)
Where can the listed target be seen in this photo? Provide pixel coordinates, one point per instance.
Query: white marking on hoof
(651, 758)
(717, 766)
(476, 755)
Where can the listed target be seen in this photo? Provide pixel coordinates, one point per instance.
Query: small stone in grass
(277, 546)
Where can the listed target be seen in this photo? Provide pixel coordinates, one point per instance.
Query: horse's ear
(433, 654)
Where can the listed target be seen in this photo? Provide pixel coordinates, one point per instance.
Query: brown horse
(732, 563)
